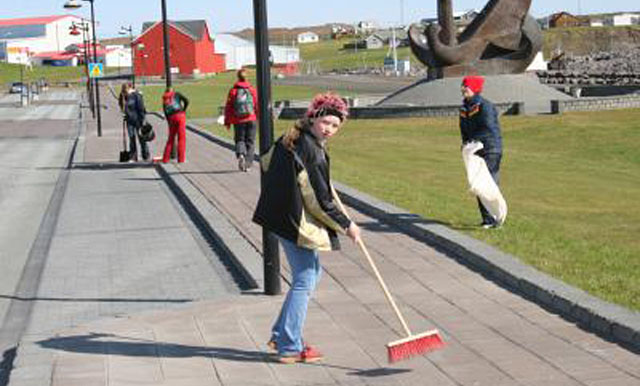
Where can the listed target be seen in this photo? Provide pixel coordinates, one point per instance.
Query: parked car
(17, 88)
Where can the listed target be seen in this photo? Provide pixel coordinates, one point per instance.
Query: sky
(234, 15)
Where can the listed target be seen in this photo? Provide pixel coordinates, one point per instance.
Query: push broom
(412, 345)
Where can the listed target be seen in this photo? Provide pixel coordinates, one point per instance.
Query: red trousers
(177, 126)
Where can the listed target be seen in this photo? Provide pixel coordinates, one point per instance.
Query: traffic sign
(96, 70)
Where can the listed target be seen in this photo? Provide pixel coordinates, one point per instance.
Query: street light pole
(165, 38)
(85, 44)
(72, 4)
(269, 243)
(95, 60)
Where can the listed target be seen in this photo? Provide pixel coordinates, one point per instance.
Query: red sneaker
(311, 354)
(307, 355)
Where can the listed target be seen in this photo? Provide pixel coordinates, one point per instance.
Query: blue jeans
(305, 272)
(132, 130)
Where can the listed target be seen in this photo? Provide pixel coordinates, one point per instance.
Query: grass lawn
(329, 55)
(11, 73)
(206, 96)
(572, 183)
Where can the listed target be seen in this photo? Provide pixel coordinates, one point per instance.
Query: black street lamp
(73, 4)
(124, 30)
(270, 252)
(75, 30)
(166, 46)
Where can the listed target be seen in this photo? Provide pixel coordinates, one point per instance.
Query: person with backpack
(240, 111)
(134, 115)
(300, 206)
(175, 105)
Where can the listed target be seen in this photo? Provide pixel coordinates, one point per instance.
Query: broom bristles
(414, 345)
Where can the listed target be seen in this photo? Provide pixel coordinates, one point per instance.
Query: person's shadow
(100, 343)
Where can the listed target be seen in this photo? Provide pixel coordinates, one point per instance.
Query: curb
(241, 259)
(609, 320)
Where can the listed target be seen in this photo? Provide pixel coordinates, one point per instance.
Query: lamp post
(73, 4)
(74, 30)
(124, 30)
(269, 243)
(166, 46)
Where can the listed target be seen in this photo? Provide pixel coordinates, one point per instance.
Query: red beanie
(475, 83)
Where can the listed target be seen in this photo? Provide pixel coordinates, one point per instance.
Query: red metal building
(191, 49)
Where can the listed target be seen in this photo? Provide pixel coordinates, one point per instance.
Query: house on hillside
(308, 37)
(461, 19)
(365, 27)
(565, 19)
(191, 50)
(374, 41)
(25, 40)
(387, 36)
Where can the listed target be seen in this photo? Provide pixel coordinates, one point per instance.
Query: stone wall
(290, 113)
(596, 104)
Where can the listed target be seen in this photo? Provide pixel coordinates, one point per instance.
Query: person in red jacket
(241, 112)
(175, 105)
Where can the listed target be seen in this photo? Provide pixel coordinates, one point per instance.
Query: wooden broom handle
(387, 294)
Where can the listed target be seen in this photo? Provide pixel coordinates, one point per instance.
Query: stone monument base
(523, 88)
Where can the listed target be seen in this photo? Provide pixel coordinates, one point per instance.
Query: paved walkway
(495, 338)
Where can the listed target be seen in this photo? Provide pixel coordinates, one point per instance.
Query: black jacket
(479, 122)
(134, 109)
(297, 201)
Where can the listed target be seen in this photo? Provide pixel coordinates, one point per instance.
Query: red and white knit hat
(328, 104)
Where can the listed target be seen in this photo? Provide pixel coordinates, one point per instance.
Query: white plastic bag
(481, 183)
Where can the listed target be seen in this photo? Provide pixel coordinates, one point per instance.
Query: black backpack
(146, 132)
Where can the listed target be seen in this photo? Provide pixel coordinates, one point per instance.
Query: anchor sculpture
(502, 39)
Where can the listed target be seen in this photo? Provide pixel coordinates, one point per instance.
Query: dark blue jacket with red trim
(479, 122)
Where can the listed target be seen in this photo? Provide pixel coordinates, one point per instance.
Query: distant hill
(285, 36)
(588, 40)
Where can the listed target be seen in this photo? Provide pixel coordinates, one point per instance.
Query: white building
(238, 52)
(117, 56)
(308, 37)
(22, 39)
(284, 55)
(623, 19)
(241, 53)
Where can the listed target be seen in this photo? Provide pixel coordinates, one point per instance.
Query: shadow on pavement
(212, 172)
(142, 179)
(98, 343)
(385, 226)
(101, 343)
(92, 300)
(112, 165)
